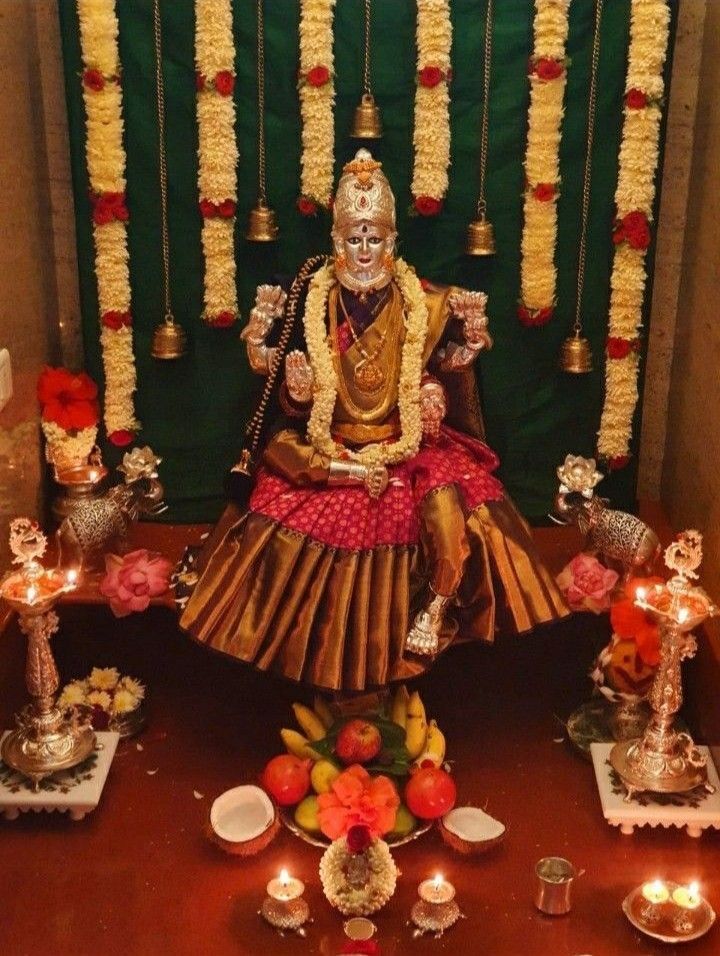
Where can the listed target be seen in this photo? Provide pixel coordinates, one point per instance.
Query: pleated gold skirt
(338, 619)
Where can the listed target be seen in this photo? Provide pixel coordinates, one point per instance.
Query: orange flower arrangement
(632, 623)
(358, 800)
(68, 399)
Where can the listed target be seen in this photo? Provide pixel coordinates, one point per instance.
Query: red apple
(430, 793)
(359, 741)
(287, 779)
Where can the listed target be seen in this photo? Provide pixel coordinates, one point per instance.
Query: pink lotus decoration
(587, 584)
(358, 800)
(133, 580)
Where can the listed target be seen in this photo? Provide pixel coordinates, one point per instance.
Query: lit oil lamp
(45, 740)
(437, 909)
(655, 895)
(284, 906)
(665, 760)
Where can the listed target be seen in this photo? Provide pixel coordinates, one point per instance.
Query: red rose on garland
(547, 69)
(223, 320)
(619, 348)
(121, 437)
(68, 399)
(116, 320)
(544, 192)
(317, 76)
(199, 82)
(534, 318)
(634, 229)
(427, 206)
(224, 83)
(636, 99)
(618, 462)
(430, 76)
(307, 206)
(109, 206)
(93, 80)
(227, 208)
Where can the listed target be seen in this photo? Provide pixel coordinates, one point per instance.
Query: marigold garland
(538, 273)
(416, 326)
(431, 136)
(639, 153)
(105, 155)
(218, 157)
(317, 97)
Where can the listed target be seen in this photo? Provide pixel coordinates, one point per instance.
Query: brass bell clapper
(367, 123)
(576, 354)
(262, 225)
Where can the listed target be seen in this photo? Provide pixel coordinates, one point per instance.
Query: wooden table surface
(139, 877)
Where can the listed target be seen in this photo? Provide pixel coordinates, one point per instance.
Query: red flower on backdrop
(68, 399)
(93, 80)
(317, 76)
(211, 210)
(307, 206)
(121, 437)
(223, 320)
(224, 83)
(544, 192)
(632, 623)
(619, 348)
(116, 320)
(132, 581)
(618, 462)
(634, 229)
(636, 99)
(546, 68)
(108, 206)
(533, 318)
(200, 81)
(427, 206)
(430, 76)
(358, 800)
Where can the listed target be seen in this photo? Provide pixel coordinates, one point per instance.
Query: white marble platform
(75, 792)
(696, 811)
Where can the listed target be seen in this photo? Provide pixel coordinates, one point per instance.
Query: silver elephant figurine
(616, 535)
(96, 524)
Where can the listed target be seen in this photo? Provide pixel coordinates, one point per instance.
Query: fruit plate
(324, 842)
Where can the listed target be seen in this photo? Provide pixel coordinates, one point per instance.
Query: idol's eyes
(356, 240)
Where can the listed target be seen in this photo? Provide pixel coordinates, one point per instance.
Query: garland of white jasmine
(326, 385)
(105, 155)
(218, 156)
(316, 83)
(431, 137)
(639, 151)
(538, 273)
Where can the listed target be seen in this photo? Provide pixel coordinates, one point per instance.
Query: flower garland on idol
(316, 85)
(105, 155)
(547, 71)
(326, 385)
(431, 136)
(218, 156)
(639, 152)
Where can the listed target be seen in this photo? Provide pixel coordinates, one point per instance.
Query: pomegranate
(287, 779)
(430, 793)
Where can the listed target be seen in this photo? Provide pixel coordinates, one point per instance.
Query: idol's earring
(340, 262)
(389, 262)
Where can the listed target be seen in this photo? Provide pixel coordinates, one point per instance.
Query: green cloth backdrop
(193, 410)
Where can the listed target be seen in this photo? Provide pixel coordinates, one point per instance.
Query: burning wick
(641, 594)
(688, 897)
(93, 475)
(32, 593)
(71, 577)
(683, 615)
(284, 877)
(655, 892)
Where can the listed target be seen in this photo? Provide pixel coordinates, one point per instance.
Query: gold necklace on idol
(368, 374)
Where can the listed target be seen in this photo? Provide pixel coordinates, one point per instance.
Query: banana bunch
(423, 740)
(314, 723)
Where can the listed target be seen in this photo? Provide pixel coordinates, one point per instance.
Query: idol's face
(365, 252)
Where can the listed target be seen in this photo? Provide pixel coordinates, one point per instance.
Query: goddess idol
(376, 532)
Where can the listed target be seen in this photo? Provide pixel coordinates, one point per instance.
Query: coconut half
(471, 830)
(243, 820)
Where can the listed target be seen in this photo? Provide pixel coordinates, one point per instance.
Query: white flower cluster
(635, 192)
(316, 102)
(64, 447)
(538, 273)
(326, 385)
(431, 136)
(106, 689)
(352, 900)
(105, 156)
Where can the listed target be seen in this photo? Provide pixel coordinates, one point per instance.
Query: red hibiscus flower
(224, 83)
(632, 623)
(116, 320)
(544, 192)
(307, 206)
(317, 76)
(618, 462)
(223, 320)
(93, 80)
(121, 437)
(430, 76)
(199, 82)
(427, 206)
(67, 399)
(547, 69)
(533, 318)
(636, 99)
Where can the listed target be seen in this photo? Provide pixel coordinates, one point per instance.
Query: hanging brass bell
(480, 238)
(576, 355)
(169, 341)
(261, 224)
(367, 123)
